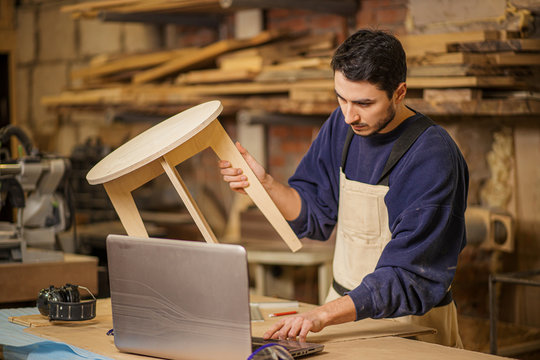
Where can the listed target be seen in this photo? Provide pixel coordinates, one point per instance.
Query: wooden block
(23, 281)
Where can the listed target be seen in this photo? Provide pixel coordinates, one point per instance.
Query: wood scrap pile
(235, 71)
(472, 68)
(473, 73)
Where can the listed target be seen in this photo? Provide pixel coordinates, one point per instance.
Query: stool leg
(126, 209)
(223, 146)
(188, 200)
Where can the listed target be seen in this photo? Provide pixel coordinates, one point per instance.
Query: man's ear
(400, 92)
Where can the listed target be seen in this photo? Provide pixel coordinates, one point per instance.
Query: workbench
(377, 339)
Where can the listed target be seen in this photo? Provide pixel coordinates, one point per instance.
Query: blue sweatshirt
(426, 204)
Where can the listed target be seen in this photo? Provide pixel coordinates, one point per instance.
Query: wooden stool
(162, 147)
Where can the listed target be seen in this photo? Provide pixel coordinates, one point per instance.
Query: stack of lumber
(235, 71)
(471, 73)
(471, 68)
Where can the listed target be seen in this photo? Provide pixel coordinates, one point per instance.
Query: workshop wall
(50, 44)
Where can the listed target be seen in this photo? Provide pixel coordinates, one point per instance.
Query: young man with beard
(395, 185)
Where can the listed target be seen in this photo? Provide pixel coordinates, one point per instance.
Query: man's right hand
(286, 198)
(236, 178)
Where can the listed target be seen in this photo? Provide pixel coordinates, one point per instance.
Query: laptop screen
(179, 299)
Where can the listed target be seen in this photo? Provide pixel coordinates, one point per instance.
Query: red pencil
(283, 313)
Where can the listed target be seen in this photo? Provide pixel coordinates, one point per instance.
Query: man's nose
(351, 116)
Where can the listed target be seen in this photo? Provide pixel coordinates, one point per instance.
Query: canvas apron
(362, 234)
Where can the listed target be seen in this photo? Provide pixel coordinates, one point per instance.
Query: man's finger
(295, 328)
(284, 331)
(306, 326)
(272, 331)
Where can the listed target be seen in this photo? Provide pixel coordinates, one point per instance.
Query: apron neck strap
(402, 144)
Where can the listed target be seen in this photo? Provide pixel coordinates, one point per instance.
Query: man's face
(366, 108)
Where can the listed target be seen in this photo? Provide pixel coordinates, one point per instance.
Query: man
(394, 183)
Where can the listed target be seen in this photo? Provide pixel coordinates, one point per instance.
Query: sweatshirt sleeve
(426, 204)
(317, 181)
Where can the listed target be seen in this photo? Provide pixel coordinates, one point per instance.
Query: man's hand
(235, 177)
(286, 198)
(300, 325)
(335, 312)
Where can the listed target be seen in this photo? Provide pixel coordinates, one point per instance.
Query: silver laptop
(182, 299)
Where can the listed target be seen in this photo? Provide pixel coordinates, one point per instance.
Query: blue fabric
(426, 204)
(18, 344)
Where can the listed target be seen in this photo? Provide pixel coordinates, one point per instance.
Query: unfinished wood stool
(162, 147)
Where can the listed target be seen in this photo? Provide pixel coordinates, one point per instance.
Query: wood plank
(484, 107)
(415, 45)
(93, 5)
(253, 63)
(294, 75)
(496, 46)
(463, 81)
(130, 63)
(440, 70)
(215, 76)
(168, 5)
(305, 95)
(452, 95)
(506, 58)
(514, 59)
(205, 54)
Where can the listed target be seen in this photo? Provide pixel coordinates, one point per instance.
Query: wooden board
(130, 63)
(415, 45)
(205, 54)
(463, 81)
(496, 45)
(215, 76)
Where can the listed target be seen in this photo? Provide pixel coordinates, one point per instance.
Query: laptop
(182, 299)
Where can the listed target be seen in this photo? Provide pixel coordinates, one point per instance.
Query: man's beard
(383, 123)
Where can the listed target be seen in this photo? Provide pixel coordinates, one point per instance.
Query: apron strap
(402, 144)
(345, 152)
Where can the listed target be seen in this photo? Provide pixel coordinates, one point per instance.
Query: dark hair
(373, 56)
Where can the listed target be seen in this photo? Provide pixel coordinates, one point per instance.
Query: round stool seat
(154, 142)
